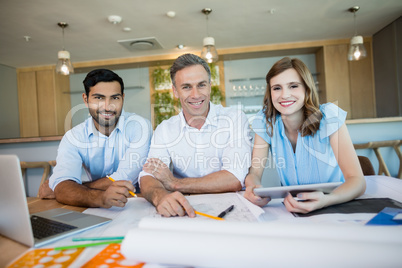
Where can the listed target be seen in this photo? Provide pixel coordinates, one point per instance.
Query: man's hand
(174, 204)
(117, 193)
(161, 172)
(45, 192)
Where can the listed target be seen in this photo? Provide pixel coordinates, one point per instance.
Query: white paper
(241, 244)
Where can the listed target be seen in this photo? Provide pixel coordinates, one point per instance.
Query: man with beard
(110, 144)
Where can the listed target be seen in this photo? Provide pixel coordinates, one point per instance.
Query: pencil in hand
(131, 192)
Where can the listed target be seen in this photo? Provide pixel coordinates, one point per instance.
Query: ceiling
(233, 23)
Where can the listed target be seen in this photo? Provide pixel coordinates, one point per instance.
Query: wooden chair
(367, 167)
(40, 164)
(376, 145)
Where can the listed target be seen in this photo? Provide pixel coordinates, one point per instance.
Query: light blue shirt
(313, 160)
(121, 155)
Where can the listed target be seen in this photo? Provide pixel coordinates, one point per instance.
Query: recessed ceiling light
(180, 46)
(171, 14)
(127, 29)
(114, 19)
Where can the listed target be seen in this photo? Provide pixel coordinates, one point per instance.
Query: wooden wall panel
(362, 92)
(320, 67)
(222, 81)
(27, 104)
(337, 76)
(46, 102)
(63, 101)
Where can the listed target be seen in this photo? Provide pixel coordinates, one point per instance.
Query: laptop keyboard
(43, 227)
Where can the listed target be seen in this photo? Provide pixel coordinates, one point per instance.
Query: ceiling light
(114, 19)
(209, 52)
(357, 51)
(171, 14)
(63, 65)
(180, 46)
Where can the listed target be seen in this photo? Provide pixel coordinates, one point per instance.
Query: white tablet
(282, 191)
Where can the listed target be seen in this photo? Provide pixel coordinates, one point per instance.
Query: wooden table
(10, 249)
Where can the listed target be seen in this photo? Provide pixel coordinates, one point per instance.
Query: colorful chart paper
(47, 257)
(111, 257)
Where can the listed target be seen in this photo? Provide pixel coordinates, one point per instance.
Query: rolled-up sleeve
(69, 162)
(158, 150)
(236, 157)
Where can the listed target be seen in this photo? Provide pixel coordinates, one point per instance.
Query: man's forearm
(100, 184)
(152, 190)
(74, 194)
(217, 182)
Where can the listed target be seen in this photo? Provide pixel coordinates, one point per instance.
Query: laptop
(17, 224)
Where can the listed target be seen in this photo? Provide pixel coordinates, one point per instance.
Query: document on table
(212, 204)
(128, 217)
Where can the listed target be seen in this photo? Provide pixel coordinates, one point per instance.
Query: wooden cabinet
(349, 84)
(43, 102)
(387, 47)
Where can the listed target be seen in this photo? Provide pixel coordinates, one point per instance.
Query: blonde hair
(311, 110)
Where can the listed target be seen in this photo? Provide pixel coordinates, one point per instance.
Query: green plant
(214, 73)
(165, 106)
(161, 77)
(216, 95)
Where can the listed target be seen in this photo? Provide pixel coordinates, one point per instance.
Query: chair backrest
(366, 165)
(40, 164)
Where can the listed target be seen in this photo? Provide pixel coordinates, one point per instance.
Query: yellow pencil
(132, 193)
(209, 216)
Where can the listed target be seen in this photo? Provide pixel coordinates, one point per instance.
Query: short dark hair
(101, 75)
(187, 60)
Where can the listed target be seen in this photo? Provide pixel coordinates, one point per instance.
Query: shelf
(241, 97)
(246, 79)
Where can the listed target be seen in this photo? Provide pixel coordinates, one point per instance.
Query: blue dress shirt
(121, 155)
(313, 160)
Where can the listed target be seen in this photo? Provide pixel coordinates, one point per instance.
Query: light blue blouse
(314, 160)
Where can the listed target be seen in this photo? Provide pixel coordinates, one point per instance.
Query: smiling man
(110, 142)
(207, 146)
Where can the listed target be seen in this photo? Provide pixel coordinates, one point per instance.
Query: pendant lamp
(208, 53)
(63, 65)
(357, 51)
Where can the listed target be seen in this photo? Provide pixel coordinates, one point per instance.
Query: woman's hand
(255, 199)
(308, 202)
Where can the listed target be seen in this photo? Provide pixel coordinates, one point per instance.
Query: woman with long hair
(309, 142)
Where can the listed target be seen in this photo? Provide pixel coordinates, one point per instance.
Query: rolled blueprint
(236, 244)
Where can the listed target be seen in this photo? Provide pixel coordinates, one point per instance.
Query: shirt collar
(212, 118)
